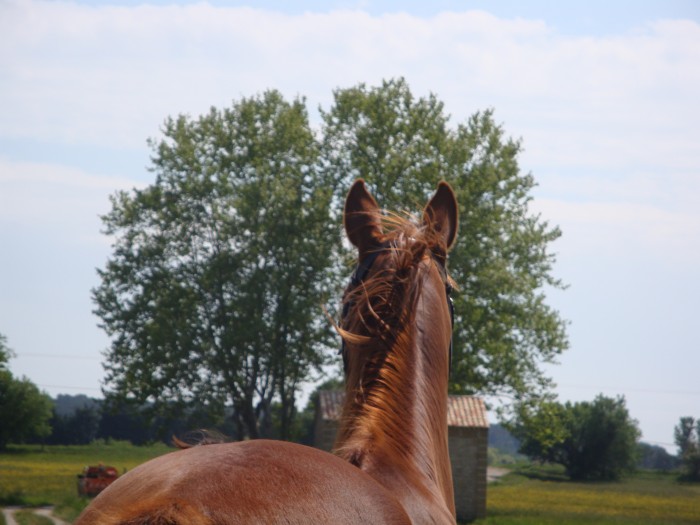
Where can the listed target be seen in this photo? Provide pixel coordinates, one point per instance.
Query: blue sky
(603, 95)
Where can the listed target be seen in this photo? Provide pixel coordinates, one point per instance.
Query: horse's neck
(403, 441)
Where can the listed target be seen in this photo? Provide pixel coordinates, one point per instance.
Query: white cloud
(615, 226)
(36, 172)
(106, 74)
(55, 198)
(625, 105)
(614, 116)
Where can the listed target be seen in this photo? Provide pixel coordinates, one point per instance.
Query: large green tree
(212, 294)
(213, 291)
(25, 411)
(502, 263)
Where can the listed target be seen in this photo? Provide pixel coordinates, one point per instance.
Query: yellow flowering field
(646, 498)
(30, 475)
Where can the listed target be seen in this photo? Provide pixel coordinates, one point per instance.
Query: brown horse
(391, 462)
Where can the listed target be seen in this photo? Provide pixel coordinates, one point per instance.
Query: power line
(71, 387)
(659, 443)
(59, 356)
(637, 390)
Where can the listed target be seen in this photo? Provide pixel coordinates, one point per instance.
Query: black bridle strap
(360, 274)
(451, 305)
(364, 266)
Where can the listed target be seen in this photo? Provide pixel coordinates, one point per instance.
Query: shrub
(593, 440)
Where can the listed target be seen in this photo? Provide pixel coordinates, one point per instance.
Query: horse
(390, 463)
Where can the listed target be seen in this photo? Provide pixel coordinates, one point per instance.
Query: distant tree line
(28, 415)
(79, 420)
(599, 434)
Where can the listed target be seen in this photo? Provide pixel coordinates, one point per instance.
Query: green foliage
(592, 440)
(6, 352)
(25, 411)
(541, 428)
(496, 458)
(402, 146)
(213, 292)
(75, 420)
(69, 507)
(79, 428)
(28, 517)
(687, 437)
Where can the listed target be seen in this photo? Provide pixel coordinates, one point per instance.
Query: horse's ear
(362, 218)
(441, 214)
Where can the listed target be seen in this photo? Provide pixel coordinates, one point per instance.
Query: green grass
(27, 517)
(33, 476)
(543, 496)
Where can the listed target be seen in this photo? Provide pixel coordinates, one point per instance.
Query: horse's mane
(378, 312)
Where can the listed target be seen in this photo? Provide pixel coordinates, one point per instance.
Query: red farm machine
(94, 480)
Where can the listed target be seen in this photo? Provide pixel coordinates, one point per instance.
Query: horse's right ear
(442, 214)
(361, 218)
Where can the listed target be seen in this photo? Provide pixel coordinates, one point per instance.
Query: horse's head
(401, 266)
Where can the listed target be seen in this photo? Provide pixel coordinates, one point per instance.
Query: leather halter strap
(362, 271)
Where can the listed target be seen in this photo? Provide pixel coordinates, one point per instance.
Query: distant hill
(656, 457)
(502, 440)
(66, 404)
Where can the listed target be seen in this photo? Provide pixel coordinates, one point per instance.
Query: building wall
(468, 456)
(324, 433)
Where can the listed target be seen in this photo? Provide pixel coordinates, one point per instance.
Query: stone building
(468, 440)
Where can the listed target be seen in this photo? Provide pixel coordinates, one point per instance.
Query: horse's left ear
(441, 214)
(361, 218)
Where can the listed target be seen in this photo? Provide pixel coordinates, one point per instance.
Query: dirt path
(48, 512)
(9, 513)
(493, 473)
(43, 511)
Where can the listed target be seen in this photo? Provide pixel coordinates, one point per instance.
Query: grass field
(528, 496)
(26, 517)
(543, 496)
(32, 476)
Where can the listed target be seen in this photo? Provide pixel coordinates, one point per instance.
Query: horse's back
(258, 481)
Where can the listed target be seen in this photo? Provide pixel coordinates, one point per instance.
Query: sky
(604, 96)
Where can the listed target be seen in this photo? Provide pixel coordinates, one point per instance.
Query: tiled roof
(462, 411)
(466, 411)
(331, 404)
